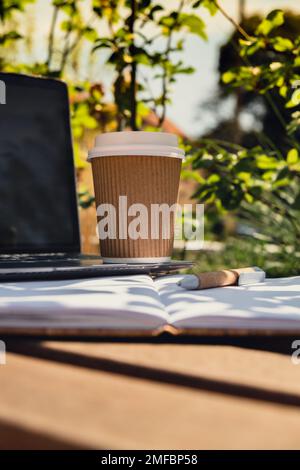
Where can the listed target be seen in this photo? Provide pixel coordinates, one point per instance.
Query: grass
(242, 252)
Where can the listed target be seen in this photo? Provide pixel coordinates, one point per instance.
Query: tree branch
(133, 102)
(51, 36)
(233, 22)
(165, 75)
(66, 50)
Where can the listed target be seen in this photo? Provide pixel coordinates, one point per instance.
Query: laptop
(39, 227)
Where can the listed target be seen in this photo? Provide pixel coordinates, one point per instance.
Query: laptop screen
(38, 208)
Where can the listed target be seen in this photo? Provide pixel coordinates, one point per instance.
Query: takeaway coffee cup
(136, 178)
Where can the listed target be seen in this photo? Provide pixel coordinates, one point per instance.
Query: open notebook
(139, 305)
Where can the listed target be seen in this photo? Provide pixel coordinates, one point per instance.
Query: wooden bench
(160, 394)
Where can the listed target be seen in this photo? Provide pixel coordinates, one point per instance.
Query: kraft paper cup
(144, 167)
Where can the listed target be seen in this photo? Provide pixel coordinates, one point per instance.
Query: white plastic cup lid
(160, 144)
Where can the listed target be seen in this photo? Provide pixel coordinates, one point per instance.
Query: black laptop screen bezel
(60, 87)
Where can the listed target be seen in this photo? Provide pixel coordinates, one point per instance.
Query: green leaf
(11, 36)
(282, 183)
(295, 99)
(193, 23)
(228, 76)
(90, 34)
(282, 44)
(244, 176)
(265, 162)
(142, 109)
(212, 179)
(249, 198)
(66, 25)
(283, 91)
(59, 3)
(188, 175)
(69, 8)
(210, 5)
(185, 70)
(292, 157)
(250, 47)
(143, 58)
(197, 4)
(273, 20)
(154, 10)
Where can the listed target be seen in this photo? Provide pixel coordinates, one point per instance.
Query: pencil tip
(189, 282)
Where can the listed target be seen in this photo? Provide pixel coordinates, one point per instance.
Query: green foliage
(8, 7)
(260, 184)
(239, 176)
(7, 38)
(132, 49)
(85, 199)
(7, 10)
(210, 5)
(118, 31)
(273, 20)
(128, 35)
(244, 252)
(281, 70)
(193, 24)
(261, 187)
(125, 45)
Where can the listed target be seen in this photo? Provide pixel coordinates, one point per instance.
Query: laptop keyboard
(48, 260)
(45, 257)
(39, 257)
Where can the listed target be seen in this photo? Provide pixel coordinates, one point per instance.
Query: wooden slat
(98, 395)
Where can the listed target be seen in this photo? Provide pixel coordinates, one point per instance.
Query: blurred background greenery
(223, 75)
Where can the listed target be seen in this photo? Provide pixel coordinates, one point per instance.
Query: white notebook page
(274, 304)
(139, 303)
(119, 302)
